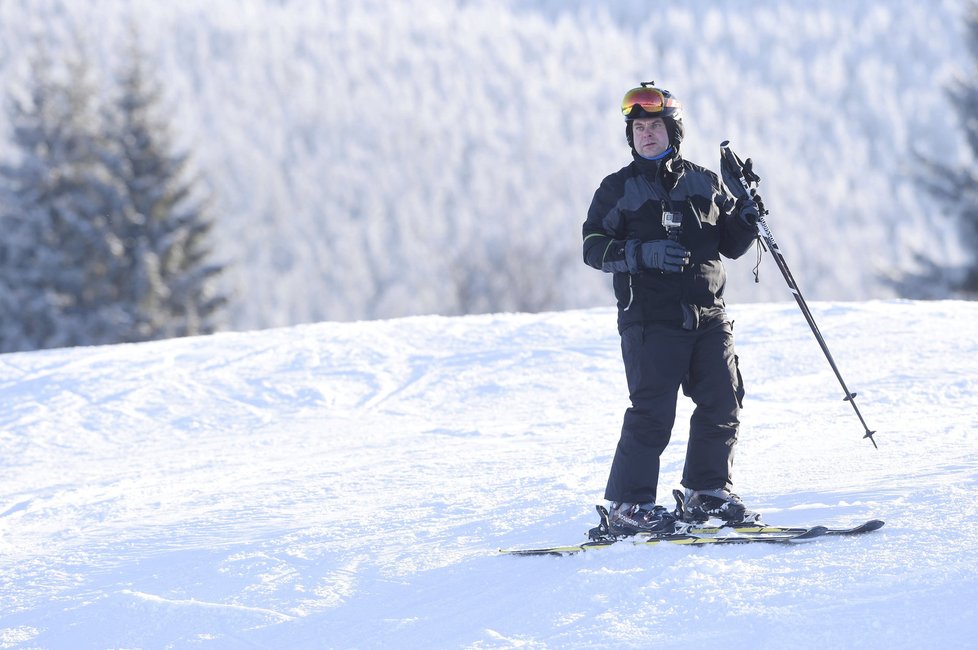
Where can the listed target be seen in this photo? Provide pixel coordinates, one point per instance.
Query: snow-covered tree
(59, 256)
(106, 239)
(956, 187)
(165, 224)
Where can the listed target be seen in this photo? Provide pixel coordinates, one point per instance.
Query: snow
(347, 485)
(373, 159)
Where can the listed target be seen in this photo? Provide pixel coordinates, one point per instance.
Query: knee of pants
(719, 403)
(646, 429)
(718, 411)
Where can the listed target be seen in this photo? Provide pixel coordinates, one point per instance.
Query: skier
(659, 225)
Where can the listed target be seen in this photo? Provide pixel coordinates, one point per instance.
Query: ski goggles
(650, 100)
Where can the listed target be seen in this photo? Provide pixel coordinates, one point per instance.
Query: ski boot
(632, 518)
(698, 506)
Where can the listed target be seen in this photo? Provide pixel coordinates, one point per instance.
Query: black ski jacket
(629, 205)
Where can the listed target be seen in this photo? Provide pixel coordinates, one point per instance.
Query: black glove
(751, 209)
(748, 211)
(660, 254)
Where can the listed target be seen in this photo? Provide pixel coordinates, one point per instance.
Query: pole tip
(869, 434)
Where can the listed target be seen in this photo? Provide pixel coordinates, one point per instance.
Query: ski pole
(730, 159)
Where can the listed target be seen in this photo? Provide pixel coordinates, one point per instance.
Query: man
(660, 225)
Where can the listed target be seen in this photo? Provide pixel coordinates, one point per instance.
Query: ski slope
(347, 485)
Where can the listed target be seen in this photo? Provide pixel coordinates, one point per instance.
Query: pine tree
(59, 254)
(957, 187)
(105, 241)
(169, 283)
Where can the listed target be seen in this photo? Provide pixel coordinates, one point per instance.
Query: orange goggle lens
(650, 100)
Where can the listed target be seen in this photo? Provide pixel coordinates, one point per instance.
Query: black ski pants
(659, 359)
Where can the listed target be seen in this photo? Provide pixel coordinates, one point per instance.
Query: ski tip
(725, 144)
(812, 533)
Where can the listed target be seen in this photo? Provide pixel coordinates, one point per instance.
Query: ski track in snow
(347, 485)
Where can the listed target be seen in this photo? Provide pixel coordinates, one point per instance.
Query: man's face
(650, 136)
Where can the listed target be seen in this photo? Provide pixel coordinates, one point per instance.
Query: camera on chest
(672, 222)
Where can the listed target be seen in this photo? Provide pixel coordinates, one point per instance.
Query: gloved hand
(748, 211)
(659, 254)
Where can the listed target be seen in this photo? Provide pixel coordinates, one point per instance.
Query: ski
(763, 529)
(688, 539)
(698, 534)
(760, 528)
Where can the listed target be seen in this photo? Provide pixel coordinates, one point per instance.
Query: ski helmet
(649, 101)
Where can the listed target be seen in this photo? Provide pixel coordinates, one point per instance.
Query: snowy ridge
(347, 485)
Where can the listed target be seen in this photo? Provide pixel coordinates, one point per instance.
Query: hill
(346, 485)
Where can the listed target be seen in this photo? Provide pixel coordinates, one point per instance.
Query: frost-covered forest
(375, 159)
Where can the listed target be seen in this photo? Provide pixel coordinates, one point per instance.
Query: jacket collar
(669, 169)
